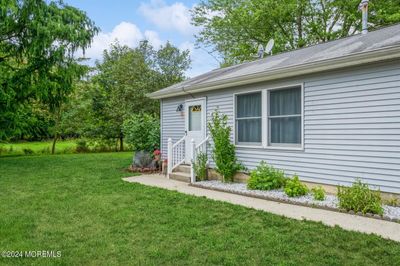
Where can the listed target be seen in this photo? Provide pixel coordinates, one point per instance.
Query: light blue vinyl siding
(173, 123)
(351, 126)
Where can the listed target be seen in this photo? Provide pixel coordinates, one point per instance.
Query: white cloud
(153, 38)
(168, 17)
(125, 33)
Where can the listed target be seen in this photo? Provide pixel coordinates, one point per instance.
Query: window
(195, 118)
(248, 118)
(284, 117)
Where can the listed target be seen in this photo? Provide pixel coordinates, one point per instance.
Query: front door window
(195, 118)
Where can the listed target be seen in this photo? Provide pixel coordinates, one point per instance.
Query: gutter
(387, 53)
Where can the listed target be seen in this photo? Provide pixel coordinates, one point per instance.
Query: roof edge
(387, 53)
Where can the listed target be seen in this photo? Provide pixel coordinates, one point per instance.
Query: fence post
(169, 158)
(192, 160)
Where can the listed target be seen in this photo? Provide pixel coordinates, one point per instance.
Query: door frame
(203, 102)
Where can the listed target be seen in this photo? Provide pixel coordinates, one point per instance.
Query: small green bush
(45, 150)
(224, 154)
(28, 151)
(318, 193)
(360, 198)
(200, 166)
(266, 177)
(81, 146)
(142, 132)
(295, 188)
(68, 150)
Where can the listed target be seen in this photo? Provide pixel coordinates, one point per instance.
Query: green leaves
(38, 42)
(318, 193)
(234, 29)
(200, 166)
(124, 78)
(142, 131)
(266, 177)
(359, 198)
(294, 188)
(224, 154)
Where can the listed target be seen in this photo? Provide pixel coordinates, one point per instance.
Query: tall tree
(123, 79)
(38, 42)
(233, 29)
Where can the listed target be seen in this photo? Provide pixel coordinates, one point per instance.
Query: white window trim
(265, 121)
(247, 144)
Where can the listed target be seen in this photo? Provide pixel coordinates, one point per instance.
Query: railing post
(192, 160)
(169, 159)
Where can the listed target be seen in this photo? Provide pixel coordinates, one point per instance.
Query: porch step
(180, 176)
(184, 168)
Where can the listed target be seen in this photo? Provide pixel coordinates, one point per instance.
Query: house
(329, 112)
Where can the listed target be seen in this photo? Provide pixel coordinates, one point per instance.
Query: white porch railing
(176, 153)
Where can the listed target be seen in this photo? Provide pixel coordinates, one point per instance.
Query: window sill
(281, 148)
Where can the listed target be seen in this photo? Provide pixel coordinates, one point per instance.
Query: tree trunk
(53, 148)
(56, 129)
(121, 143)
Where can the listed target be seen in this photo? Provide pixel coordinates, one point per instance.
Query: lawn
(78, 204)
(38, 147)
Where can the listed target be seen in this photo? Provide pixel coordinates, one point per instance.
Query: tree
(38, 42)
(142, 131)
(123, 79)
(171, 64)
(235, 28)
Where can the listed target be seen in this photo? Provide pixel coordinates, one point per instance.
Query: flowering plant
(156, 152)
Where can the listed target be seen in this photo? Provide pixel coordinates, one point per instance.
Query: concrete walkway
(389, 230)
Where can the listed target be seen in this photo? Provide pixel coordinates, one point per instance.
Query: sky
(158, 21)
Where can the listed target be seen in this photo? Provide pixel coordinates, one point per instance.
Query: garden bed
(331, 202)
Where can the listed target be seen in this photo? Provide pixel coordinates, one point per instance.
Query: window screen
(248, 118)
(285, 116)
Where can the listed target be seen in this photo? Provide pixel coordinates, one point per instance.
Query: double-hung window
(249, 118)
(284, 117)
(270, 118)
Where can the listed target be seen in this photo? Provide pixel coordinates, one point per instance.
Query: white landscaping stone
(330, 201)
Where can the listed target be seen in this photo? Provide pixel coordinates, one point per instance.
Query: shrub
(200, 166)
(360, 198)
(224, 154)
(68, 150)
(142, 131)
(45, 150)
(266, 177)
(393, 201)
(295, 188)
(28, 151)
(318, 193)
(81, 146)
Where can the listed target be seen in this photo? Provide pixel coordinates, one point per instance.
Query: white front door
(195, 120)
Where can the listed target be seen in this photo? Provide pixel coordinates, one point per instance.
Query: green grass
(78, 204)
(38, 147)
